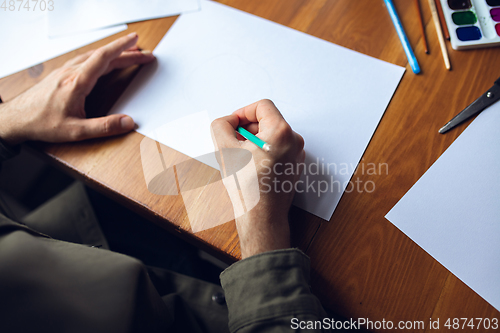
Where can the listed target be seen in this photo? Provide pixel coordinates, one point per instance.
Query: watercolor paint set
(472, 23)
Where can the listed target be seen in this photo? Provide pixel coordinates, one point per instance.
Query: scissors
(487, 99)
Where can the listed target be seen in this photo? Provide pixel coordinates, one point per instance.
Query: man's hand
(53, 110)
(265, 227)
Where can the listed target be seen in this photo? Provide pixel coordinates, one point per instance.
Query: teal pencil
(252, 138)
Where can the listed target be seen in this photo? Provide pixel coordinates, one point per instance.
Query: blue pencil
(402, 37)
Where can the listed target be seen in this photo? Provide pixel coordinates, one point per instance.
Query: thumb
(105, 126)
(223, 132)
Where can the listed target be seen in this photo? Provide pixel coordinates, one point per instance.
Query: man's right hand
(265, 227)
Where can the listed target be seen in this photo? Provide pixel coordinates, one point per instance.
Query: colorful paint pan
(472, 23)
(469, 33)
(459, 4)
(495, 14)
(464, 18)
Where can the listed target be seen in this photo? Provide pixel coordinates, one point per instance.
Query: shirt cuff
(270, 286)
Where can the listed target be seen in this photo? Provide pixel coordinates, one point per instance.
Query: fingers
(98, 62)
(82, 57)
(130, 58)
(265, 114)
(265, 121)
(252, 128)
(299, 140)
(104, 126)
(79, 59)
(256, 112)
(223, 132)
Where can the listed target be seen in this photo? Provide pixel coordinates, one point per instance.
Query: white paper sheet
(25, 42)
(74, 16)
(453, 211)
(220, 59)
(198, 123)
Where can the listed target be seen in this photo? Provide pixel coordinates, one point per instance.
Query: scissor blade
(487, 99)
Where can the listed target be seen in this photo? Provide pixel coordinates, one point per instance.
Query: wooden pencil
(435, 18)
(442, 20)
(422, 30)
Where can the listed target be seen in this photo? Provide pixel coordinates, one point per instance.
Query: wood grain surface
(362, 265)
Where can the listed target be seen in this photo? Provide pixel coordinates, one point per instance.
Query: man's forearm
(258, 233)
(10, 124)
(8, 146)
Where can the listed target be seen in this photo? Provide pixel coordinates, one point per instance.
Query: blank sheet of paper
(453, 211)
(220, 59)
(74, 16)
(25, 43)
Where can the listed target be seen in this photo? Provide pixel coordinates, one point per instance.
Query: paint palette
(472, 23)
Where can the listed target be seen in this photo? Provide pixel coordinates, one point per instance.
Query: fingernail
(133, 34)
(146, 52)
(127, 123)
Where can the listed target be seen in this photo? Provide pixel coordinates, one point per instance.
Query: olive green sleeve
(265, 292)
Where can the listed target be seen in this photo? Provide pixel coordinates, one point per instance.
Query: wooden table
(362, 265)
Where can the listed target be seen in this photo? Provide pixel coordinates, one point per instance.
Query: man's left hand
(53, 110)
